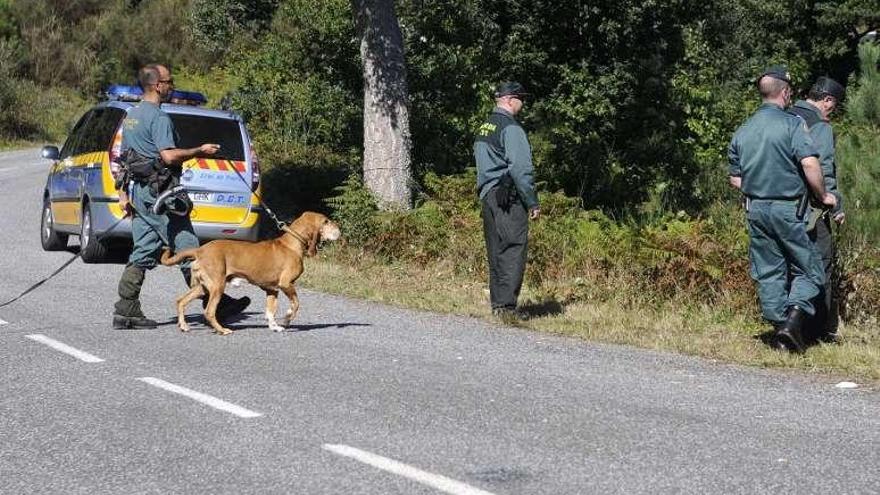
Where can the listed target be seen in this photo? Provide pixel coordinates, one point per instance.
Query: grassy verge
(709, 332)
(12, 145)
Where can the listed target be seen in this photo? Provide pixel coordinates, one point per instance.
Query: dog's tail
(168, 260)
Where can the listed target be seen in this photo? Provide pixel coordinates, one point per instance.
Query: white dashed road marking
(3, 322)
(441, 483)
(203, 398)
(59, 346)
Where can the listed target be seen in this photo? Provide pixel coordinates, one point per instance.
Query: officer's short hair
(770, 87)
(148, 75)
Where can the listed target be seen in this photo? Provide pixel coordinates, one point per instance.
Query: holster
(803, 203)
(147, 171)
(505, 192)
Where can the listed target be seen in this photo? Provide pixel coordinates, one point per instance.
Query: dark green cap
(827, 86)
(776, 72)
(509, 88)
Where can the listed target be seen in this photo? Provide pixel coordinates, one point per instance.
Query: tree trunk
(387, 141)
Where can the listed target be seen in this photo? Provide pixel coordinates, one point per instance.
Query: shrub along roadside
(668, 282)
(574, 255)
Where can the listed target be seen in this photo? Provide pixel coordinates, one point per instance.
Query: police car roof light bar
(124, 92)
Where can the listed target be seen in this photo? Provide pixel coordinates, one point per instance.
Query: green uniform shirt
(766, 152)
(147, 130)
(502, 147)
(823, 138)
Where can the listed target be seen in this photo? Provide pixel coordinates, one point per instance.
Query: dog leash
(61, 268)
(281, 226)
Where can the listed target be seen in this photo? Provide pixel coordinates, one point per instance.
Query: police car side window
(70, 145)
(100, 135)
(98, 131)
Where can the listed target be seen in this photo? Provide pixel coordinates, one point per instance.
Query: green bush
(355, 208)
(573, 254)
(34, 113)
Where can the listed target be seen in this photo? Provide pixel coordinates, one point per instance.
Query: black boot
(128, 312)
(789, 334)
(123, 322)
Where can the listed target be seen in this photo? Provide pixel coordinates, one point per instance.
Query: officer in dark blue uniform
(773, 161)
(823, 98)
(506, 186)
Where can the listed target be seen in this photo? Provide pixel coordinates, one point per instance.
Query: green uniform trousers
(784, 261)
(507, 235)
(826, 318)
(145, 228)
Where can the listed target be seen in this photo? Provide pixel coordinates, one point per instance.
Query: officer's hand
(534, 213)
(209, 148)
(829, 200)
(124, 204)
(840, 217)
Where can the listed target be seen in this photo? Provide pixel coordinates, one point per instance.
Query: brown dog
(271, 265)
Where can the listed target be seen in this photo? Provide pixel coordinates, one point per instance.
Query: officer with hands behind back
(823, 98)
(770, 157)
(506, 186)
(152, 165)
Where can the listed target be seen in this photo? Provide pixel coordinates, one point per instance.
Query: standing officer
(769, 157)
(151, 153)
(506, 186)
(823, 98)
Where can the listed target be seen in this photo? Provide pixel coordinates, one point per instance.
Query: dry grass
(709, 332)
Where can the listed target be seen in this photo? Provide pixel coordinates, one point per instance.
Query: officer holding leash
(823, 98)
(770, 158)
(506, 186)
(160, 211)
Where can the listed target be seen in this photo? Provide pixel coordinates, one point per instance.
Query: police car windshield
(194, 130)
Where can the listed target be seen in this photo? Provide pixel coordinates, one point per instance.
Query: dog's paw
(276, 328)
(223, 331)
(183, 327)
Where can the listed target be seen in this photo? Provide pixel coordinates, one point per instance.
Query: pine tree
(864, 104)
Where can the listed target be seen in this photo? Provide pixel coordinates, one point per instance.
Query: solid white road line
(441, 483)
(59, 346)
(203, 398)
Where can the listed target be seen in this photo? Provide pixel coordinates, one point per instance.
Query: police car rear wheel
(49, 238)
(91, 249)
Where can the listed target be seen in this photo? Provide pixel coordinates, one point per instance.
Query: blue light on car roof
(123, 92)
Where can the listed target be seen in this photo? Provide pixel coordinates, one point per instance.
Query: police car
(80, 198)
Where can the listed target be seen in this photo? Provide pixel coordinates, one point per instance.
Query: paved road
(362, 398)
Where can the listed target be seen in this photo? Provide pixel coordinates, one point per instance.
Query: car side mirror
(50, 152)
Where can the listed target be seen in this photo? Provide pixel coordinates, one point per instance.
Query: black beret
(510, 88)
(827, 86)
(776, 72)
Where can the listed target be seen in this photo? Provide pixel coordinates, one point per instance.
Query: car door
(63, 190)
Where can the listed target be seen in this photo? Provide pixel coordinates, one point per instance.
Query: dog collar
(305, 243)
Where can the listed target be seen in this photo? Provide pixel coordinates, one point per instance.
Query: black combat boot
(128, 312)
(789, 334)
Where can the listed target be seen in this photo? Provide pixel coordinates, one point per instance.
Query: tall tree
(387, 140)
